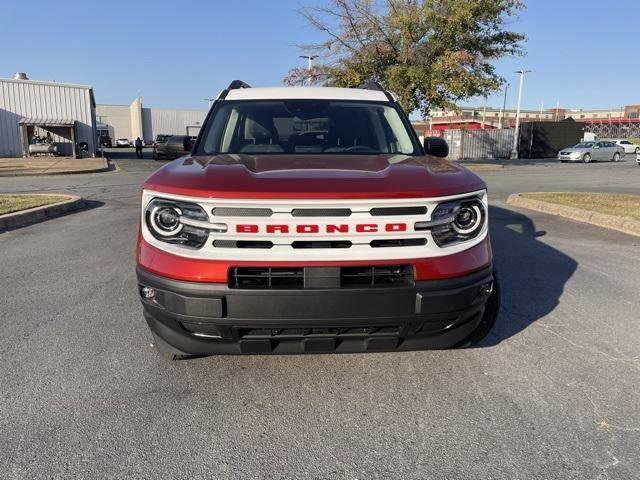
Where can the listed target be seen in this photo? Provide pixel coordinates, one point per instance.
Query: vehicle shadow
(532, 274)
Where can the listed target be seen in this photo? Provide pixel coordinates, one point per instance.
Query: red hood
(313, 176)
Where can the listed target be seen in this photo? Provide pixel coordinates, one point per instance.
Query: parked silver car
(588, 151)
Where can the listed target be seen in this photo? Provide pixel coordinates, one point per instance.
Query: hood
(313, 176)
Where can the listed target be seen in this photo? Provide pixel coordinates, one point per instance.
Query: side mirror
(188, 144)
(436, 146)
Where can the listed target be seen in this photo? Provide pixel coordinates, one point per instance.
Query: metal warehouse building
(33, 108)
(132, 121)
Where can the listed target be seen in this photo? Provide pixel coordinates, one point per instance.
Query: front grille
(376, 276)
(242, 244)
(264, 278)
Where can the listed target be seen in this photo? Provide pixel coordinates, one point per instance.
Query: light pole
(484, 112)
(310, 59)
(514, 150)
(209, 101)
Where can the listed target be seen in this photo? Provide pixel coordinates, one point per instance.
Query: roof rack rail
(236, 84)
(375, 85)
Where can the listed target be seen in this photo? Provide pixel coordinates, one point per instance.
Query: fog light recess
(147, 292)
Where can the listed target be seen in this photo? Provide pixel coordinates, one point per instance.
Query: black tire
(586, 158)
(489, 317)
(637, 150)
(155, 156)
(616, 157)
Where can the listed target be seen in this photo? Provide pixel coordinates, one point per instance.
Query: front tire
(637, 150)
(586, 158)
(616, 157)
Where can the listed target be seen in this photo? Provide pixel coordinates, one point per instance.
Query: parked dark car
(176, 146)
(105, 141)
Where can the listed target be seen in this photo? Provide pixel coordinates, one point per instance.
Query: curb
(13, 220)
(105, 168)
(621, 224)
(483, 167)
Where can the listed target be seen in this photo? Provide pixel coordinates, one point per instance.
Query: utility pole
(209, 101)
(504, 104)
(484, 112)
(310, 59)
(514, 150)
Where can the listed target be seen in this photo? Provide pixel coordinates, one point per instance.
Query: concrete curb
(622, 224)
(13, 220)
(483, 167)
(105, 168)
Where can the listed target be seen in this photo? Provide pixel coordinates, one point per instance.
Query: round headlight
(467, 219)
(166, 220)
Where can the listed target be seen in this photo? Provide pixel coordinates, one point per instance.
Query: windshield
(584, 145)
(306, 127)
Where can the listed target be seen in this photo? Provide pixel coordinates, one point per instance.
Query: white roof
(324, 93)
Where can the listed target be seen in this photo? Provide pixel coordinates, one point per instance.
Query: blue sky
(175, 54)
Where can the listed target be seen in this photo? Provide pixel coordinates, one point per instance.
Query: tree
(319, 75)
(431, 53)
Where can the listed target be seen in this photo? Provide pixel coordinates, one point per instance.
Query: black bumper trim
(428, 315)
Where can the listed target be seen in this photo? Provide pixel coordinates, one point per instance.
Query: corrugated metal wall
(479, 144)
(26, 98)
(171, 122)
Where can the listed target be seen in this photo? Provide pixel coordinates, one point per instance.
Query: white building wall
(118, 118)
(32, 99)
(171, 122)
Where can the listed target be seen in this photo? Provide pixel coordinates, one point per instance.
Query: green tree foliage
(431, 53)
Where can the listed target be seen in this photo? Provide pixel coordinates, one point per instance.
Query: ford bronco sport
(311, 219)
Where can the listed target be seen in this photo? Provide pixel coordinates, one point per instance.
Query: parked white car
(123, 142)
(628, 146)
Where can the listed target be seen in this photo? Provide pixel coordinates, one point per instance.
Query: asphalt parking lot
(552, 393)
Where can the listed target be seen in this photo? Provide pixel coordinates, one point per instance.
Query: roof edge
(47, 82)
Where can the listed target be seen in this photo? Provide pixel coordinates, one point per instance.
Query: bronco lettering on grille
(330, 228)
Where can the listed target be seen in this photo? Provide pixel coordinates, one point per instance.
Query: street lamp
(514, 150)
(209, 101)
(310, 59)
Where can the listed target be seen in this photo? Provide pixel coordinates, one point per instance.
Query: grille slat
(321, 212)
(396, 211)
(241, 212)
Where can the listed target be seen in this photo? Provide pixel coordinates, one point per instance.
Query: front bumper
(205, 318)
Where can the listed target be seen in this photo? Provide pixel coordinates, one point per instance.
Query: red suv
(311, 220)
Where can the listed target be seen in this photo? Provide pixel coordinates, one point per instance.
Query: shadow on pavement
(532, 274)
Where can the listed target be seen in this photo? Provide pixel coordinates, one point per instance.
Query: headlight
(575, 155)
(181, 223)
(456, 221)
